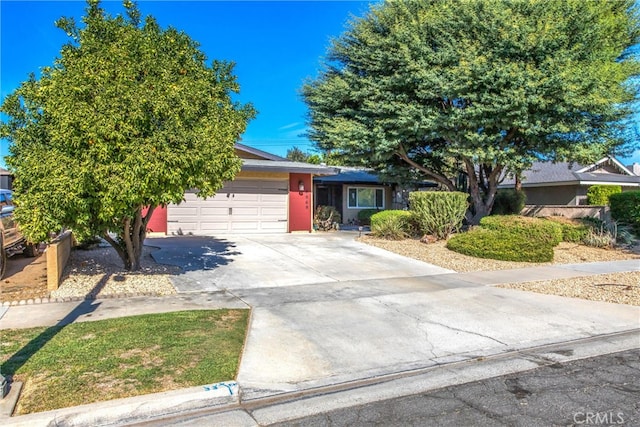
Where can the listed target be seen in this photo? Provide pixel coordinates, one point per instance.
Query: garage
(241, 206)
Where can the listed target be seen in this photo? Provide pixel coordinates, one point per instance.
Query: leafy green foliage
(63, 366)
(528, 228)
(326, 218)
(573, 231)
(295, 154)
(130, 115)
(392, 224)
(599, 194)
(438, 213)
(508, 202)
(364, 216)
(505, 245)
(625, 208)
(481, 88)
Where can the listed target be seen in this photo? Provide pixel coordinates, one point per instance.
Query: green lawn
(109, 359)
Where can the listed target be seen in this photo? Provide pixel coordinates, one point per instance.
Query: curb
(49, 300)
(135, 409)
(213, 405)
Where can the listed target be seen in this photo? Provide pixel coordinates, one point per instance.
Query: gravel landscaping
(98, 273)
(620, 288)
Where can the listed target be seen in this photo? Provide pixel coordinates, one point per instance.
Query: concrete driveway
(328, 310)
(279, 260)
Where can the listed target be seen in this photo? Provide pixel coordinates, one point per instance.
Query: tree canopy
(478, 88)
(127, 118)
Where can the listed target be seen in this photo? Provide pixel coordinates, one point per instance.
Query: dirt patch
(26, 278)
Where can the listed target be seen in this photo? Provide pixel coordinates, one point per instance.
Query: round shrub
(526, 228)
(391, 224)
(508, 202)
(501, 245)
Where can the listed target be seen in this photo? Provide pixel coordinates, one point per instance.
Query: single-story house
(269, 195)
(355, 189)
(564, 183)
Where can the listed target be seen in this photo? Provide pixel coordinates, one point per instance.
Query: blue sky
(276, 45)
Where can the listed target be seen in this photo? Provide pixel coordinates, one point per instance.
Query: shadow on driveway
(193, 253)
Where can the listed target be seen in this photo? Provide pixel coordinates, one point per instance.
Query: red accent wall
(300, 203)
(158, 221)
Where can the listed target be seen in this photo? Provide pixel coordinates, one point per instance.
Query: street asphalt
(330, 311)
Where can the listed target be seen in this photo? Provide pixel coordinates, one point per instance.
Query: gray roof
(286, 166)
(565, 173)
(257, 152)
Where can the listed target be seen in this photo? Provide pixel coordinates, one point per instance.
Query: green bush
(392, 224)
(504, 245)
(625, 208)
(573, 231)
(599, 194)
(526, 228)
(438, 213)
(326, 217)
(364, 216)
(508, 202)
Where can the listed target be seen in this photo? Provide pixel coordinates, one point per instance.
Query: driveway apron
(328, 309)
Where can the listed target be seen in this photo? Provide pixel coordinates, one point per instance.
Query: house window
(366, 198)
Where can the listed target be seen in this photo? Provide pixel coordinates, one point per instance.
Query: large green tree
(128, 117)
(479, 88)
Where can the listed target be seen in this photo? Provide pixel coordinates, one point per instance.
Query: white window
(365, 198)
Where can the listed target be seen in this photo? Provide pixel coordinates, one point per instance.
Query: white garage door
(241, 206)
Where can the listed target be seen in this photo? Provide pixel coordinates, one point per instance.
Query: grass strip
(87, 362)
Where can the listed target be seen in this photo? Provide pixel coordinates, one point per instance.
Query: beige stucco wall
(350, 215)
(600, 212)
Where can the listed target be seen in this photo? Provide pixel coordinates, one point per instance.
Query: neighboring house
(6, 179)
(270, 195)
(567, 183)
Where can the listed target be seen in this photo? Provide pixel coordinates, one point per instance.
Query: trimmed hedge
(392, 224)
(599, 194)
(502, 245)
(625, 208)
(438, 213)
(510, 238)
(528, 228)
(508, 202)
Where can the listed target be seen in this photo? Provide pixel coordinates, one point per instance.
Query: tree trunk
(482, 201)
(130, 240)
(518, 184)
